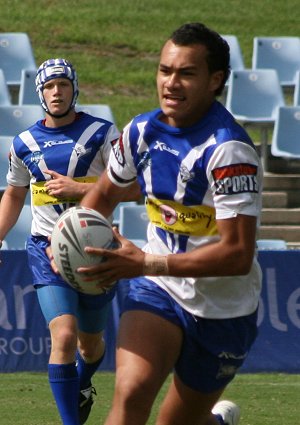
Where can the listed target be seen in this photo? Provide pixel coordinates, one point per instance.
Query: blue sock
(86, 370)
(220, 419)
(64, 383)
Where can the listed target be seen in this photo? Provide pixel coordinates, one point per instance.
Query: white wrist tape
(155, 265)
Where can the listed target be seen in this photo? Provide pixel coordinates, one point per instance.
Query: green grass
(265, 399)
(115, 45)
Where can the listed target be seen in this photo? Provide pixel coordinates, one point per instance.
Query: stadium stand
(253, 98)
(296, 98)
(15, 119)
(279, 53)
(286, 134)
(16, 54)
(97, 110)
(5, 99)
(133, 223)
(17, 237)
(27, 92)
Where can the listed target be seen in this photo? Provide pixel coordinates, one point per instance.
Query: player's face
(185, 86)
(58, 94)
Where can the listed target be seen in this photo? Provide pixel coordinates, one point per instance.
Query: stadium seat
(5, 143)
(271, 244)
(97, 110)
(279, 53)
(134, 222)
(16, 53)
(116, 213)
(286, 134)
(15, 119)
(5, 99)
(296, 100)
(17, 237)
(27, 92)
(254, 97)
(236, 56)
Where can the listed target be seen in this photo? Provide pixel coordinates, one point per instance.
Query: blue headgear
(56, 68)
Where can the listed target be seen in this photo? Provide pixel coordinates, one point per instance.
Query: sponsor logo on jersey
(163, 147)
(81, 151)
(118, 150)
(145, 160)
(50, 143)
(40, 196)
(185, 174)
(236, 178)
(36, 157)
(194, 220)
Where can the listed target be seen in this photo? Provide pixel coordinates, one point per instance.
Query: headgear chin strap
(56, 68)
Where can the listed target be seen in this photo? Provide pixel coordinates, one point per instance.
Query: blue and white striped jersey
(191, 177)
(79, 150)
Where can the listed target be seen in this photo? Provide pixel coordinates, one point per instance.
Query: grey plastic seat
(134, 222)
(16, 118)
(27, 92)
(5, 99)
(97, 110)
(254, 97)
(16, 53)
(296, 99)
(286, 134)
(271, 244)
(279, 53)
(236, 56)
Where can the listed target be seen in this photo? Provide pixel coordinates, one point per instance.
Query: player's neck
(55, 122)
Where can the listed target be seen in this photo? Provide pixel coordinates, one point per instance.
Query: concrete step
(288, 233)
(274, 181)
(280, 216)
(272, 199)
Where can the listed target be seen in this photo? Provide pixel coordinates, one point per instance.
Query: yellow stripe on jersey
(40, 197)
(196, 220)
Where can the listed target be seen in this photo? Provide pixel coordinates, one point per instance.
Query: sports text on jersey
(236, 178)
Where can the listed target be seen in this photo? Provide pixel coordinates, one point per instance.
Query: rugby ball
(76, 228)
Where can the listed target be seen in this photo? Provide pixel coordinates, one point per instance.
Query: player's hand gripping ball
(76, 228)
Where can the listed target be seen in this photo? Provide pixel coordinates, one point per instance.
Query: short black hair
(218, 58)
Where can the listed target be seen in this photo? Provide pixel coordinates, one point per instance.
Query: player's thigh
(148, 347)
(183, 405)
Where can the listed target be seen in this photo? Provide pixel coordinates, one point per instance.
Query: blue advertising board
(25, 339)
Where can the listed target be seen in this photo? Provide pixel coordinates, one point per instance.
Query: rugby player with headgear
(59, 159)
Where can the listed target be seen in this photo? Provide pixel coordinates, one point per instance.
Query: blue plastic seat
(253, 98)
(286, 134)
(97, 110)
(15, 119)
(279, 53)
(5, 98)
(16, 53)
(296, 99)
(236, 56)
(27, 92)
(116, 213)
(271, 244)
(134, 222)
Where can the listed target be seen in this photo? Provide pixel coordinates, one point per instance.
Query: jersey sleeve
(111, 136)
(235, 176)
(18, 174)
(121, 169)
